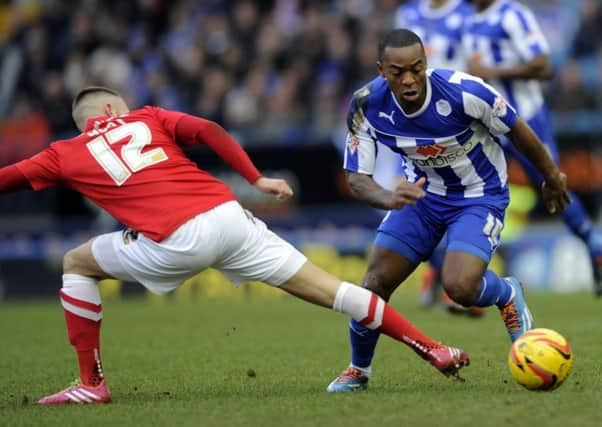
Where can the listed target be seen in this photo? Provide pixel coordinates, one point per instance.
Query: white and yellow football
(541, 359)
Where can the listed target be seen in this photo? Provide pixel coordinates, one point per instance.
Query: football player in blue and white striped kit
(445, 124)
(439, 24)
(508, 50)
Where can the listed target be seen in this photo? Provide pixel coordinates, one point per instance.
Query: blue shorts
(541, 125)
(472, 226)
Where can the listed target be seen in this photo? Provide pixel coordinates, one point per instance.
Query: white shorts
(227, 238)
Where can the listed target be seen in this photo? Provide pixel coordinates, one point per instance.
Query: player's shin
(363, 343)
(81, 302)
(371, 311)
(494, 291)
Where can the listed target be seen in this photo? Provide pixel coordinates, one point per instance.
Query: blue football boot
(351, 379)
(516, 314)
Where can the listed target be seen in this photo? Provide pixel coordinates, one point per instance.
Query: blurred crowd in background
(271, 72)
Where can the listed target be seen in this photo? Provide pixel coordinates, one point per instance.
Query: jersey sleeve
(42, 170)
(360, 147)
(193, 130)
(169, 120)
(524, 32)
(12, 179)
(482, 102)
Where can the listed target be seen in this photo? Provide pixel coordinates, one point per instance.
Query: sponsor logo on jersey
(432, 150)
(437, 156)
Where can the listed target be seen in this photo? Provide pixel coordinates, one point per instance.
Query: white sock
(362, 305)
(80, 296)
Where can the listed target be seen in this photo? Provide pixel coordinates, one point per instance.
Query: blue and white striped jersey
(451, 139)
(504, 35)
(439, 28)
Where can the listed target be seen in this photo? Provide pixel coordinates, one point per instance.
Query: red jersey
(132, 166)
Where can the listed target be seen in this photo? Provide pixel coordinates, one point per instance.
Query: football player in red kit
(180, 220)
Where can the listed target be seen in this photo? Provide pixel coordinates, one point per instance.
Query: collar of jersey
(91, 121)
(439, 12)
(427, 100)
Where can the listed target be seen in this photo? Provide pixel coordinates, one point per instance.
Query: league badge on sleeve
(351, 153)
(353, 143)
(500, 107)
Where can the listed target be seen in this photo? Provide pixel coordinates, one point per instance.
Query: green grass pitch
(186, 364)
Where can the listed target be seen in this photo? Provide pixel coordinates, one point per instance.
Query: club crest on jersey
(500, 107)
(353, 144)
(387, 116)
(432, 150)
(443, 107)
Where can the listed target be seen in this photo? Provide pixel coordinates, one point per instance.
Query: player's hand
(406, 193)
(277, 187)
(555, 195)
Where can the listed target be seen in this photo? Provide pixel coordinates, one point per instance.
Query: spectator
(24, 133)
(206, 57)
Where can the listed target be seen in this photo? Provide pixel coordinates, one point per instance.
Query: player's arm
(484, 103)
(12, 179)
(538, 68)
(191, 130)
(554, 185)
(528, 40)
(365, 188)
(38, 172)
(360, 157)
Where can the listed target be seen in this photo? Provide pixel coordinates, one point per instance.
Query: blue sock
(363, 343)
(494, 291)
(577, 219)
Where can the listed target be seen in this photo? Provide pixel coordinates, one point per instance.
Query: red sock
(397, 327)
(90, 367)
(84, 335)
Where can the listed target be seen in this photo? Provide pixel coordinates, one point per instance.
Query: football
(541, 359)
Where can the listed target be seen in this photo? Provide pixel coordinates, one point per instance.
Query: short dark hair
(397, 38)
(90, 90)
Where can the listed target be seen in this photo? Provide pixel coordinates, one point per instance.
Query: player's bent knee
(382, 291)
(81, 261)
(380, 284)
(461, 289)
(70, 261)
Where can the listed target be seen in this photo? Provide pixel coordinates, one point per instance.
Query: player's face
(404, 68)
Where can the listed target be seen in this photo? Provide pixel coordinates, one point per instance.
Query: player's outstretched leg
(507, 294)
(371, 312)
(83, 313)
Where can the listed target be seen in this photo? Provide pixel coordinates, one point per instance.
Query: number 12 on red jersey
(131, 159)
